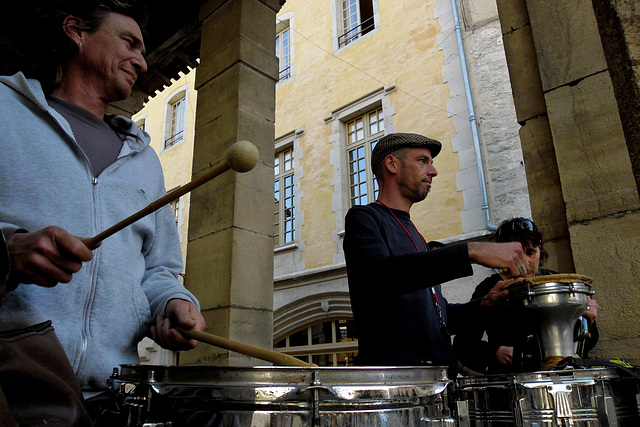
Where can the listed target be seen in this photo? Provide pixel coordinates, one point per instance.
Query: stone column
(593, 161)
(230, 248)
(545, 193)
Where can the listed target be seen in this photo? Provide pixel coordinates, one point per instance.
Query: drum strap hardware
(591, 363)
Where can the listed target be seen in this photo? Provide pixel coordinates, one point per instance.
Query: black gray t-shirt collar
(98, 141)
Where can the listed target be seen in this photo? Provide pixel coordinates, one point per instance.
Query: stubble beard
(416, 195)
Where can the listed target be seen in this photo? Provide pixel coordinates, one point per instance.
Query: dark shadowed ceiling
(172, 41)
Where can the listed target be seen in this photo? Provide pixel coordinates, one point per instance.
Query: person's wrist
(10, 282)
(5, 265)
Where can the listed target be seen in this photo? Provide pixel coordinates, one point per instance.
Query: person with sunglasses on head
(497, 354)
(394, 276)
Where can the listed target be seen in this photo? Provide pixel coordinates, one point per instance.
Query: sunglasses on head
(520, 225)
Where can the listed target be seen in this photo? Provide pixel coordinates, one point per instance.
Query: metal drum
(580, 397)
(282, 396)
(551, 305)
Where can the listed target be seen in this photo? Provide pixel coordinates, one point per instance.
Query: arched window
(318, 329)
(175, 118)
(328, 343)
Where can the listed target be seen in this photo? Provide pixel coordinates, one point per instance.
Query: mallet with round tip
(242, 156)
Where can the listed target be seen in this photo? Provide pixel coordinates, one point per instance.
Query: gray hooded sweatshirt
(46, 179)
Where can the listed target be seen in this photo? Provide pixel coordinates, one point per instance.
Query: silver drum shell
(580, 397)
(283, 396)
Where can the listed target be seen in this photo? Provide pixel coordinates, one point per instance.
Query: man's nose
(140, 63)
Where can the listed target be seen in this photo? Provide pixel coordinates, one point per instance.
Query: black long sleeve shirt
(390, 283)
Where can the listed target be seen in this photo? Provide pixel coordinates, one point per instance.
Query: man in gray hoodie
(69, 171)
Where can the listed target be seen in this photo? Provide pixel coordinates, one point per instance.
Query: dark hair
(521, 230)
(49, 48)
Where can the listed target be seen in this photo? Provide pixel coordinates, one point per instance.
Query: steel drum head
(550, 305)
(553, 291)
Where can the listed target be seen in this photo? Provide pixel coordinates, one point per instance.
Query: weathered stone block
(522, 62)
(227, 269)
(570, 54)
(478, 12)
(238, 50)
(235, 324)
(209, 269)
(252, 272)
(205, 354)
(212, 207)
(513, 14)
(547, 203)
(251, 19)
(593, 160)
(607, 250)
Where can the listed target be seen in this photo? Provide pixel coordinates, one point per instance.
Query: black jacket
(390, 277)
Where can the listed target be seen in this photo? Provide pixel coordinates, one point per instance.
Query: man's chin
(122, 93)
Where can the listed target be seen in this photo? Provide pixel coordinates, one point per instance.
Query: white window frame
(172, 137)
(285, 22)
(338, 30)
(280, 234)
(141, 122)
(337, 119)
(362, 133)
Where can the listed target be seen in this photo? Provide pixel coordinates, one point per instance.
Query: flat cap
(395, 141)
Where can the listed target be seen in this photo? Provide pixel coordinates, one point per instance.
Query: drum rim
(362, 375)
(541, 376)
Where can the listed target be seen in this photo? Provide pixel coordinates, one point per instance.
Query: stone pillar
(230, 248)
(594, 166)
(545, 193)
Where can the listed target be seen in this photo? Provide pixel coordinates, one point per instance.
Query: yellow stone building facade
(349, 72)
(352, 70)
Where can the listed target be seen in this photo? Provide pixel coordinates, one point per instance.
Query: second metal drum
(580, 397)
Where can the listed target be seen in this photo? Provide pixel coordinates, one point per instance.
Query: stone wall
(576, 128)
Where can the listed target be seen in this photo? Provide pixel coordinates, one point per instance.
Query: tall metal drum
(580, 397)
(282, 396)
(550, 305)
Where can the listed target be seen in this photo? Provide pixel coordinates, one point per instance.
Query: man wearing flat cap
(394, 277)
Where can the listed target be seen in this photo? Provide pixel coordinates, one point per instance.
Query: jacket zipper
(84, 341)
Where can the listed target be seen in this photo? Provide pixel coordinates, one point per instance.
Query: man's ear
(71, 25)
(391, 164)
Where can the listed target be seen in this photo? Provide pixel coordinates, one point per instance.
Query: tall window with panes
(283, 52)
(284, 194)
(176, 127)
(363, 133)
(357, 20)
(175, 208)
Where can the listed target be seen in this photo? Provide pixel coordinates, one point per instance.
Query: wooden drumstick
(242, 348)
(242, 156)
